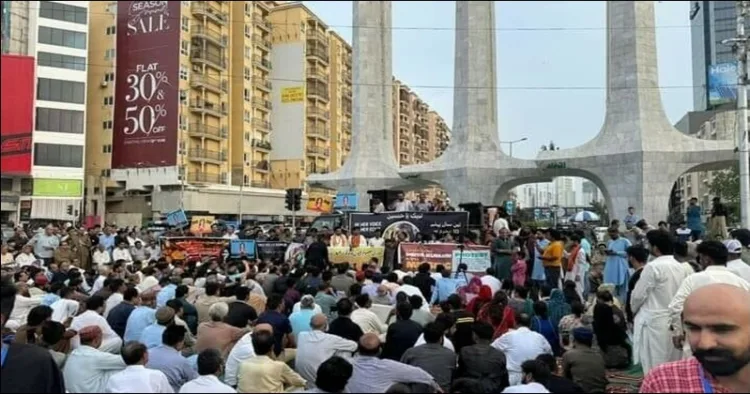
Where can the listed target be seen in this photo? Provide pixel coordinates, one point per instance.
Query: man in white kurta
(714, 256)
(650, 300)
(87, 369)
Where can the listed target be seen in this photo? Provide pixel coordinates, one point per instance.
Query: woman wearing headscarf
(610, 329)
(470, 292)
(557, 307)
(483, 297)
(540, 323)
(498, 314)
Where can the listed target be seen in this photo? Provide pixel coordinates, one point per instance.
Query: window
(248, 52)
(59, 120)
(183, 73)
(248, 31)
(246, 94)
(107, 125)
(248, 9)
(48, 59)
(60, 37)
(111, 30)
(246, 179)
(109, 77)
(55, 155)
(247, 116)
(248, 74)
(247, 137)
(244, 157)
(109, 100)
(185, 24)
(110, 54)
(106, 148)
(62, 12)
(6, 184)
(106, 173)
(63, 91)
(185, 47)
(183, 122)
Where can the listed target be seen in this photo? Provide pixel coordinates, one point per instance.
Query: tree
(600, 209)
(726, 184)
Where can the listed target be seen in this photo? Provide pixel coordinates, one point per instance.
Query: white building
(55, 34)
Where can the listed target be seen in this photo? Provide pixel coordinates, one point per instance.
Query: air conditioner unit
(197, 68)
(104, 84)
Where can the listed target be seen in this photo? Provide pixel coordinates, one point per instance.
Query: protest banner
(242, 248)
(295, 253)
(200, 225)
(412, 255)
(356, 257)
(190, 249)
(272, 250)
(410, 223)
(476, 258)
(319, 202)
(177, 218)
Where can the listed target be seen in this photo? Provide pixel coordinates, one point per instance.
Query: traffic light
(289, 200)
(297, 199)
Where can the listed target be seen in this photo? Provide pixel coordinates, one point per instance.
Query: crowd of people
(100, 310)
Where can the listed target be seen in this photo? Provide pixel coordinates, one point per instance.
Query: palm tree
(600, 209)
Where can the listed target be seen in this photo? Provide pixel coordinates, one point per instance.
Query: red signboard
(147, 84)
(17, 119)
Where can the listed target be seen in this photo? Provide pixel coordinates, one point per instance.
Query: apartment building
(715, 125)
(341, 101)
(420, 135)
(44, 88)
(304, 86)
(222, 90)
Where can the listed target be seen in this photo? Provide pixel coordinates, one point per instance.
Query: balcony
(261, 42)
(262, 104)
(210, 34)
(317, 73)
(199, 154)
(319, 53)
(208, 108)
(261, 184)
(347, 144)
(215, 60)
(319, 92)
(403, 118)
(205, 177)
(318, 151)
(204, 131)
(262, 4)
(205, 9)
(262, 145)
(317, 35)
(404, 148)
(318, 132)
(264, 85)
(261, 124)
(312, 169)
(313, 112)
(403, 106)
(262, 23)
(348, 76)
(262, 166)
(262, 63)
(213, 84)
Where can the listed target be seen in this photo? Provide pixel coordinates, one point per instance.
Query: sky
(542, 58)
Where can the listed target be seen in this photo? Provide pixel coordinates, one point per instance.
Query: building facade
(711, 22)
(53, 35)
(721, 125)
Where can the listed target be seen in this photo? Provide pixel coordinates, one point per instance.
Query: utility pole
(742, 113)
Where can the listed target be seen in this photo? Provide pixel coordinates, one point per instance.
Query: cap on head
(164, 315)
(733, 246)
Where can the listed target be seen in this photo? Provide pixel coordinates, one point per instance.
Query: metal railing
(204, 177)
(204, 8)
(318, 150)
(202, 130)
(205, 154)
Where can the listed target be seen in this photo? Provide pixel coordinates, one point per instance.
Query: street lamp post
(510, 143)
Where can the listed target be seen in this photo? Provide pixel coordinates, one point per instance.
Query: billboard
(17, 120)
(410, 223)
(147, 84)
(412, 255)
(189, 249)
(319, 202)
(346, 202)
(57, 187)
(722, 83)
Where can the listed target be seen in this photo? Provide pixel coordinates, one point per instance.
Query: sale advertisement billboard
(17, 120)
(722, 83)
(147, 84)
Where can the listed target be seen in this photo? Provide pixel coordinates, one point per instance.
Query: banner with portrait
(356, 257)
(319, 202)
(389, 224)
(242, 248)
(272, 250)
(200, 225)
(189, 249)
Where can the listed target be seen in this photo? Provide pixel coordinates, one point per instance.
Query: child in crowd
(519, 267)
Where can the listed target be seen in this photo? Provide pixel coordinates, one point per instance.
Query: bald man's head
(719, 332)
(369, 345)
(264, 327)
(319, 322)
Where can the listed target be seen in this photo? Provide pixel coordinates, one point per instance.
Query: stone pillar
(475, 95)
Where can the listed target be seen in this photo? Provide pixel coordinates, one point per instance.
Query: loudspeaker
(476, 213)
